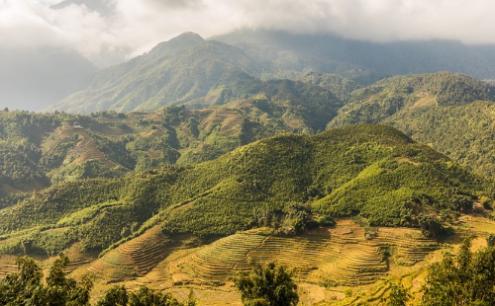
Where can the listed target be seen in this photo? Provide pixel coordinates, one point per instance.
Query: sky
(109, 31)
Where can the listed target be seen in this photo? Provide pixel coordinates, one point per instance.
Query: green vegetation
(466, 279)
(399, 296)
(270, 286)
(340, 86)
(374, 173)
(39, 149)
(27, 287)
(390, 96)
(464, 133)
(443, 110)
(118, 296)
(182, 69)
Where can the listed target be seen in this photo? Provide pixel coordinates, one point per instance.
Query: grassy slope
(443, 110)
(373, 172)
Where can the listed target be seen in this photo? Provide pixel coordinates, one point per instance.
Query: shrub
(269, 285)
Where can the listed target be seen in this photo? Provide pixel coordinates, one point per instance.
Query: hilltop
(450, 112)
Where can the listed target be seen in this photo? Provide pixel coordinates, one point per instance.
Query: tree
(63, 291)
(269, 285)
(147, 297)
(118, 296)
(23, 286)
(467, 279)
(26, 287)
(115, 296)
(398, 295)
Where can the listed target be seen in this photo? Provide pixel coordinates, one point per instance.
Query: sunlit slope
(452, 113)
(343, 265)
(374, 173)
(344, 255)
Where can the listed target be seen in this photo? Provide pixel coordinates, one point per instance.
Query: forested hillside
(42, 148)
(450, 112)
(371, 172)
(195, 159)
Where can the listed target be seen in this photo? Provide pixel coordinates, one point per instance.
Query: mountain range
(187, 68)
(181, 167)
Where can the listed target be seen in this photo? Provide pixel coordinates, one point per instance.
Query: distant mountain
(178, 71)
(285, 52)
(188, 67)
(340, 86)
(453, 113)
(32, 79)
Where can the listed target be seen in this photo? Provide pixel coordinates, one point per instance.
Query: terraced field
(344, 265)
(133, 258)
(7, 265)
(344, 255)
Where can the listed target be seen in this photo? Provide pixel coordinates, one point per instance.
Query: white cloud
(136, 25)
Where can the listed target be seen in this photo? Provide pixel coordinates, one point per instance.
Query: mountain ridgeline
(180, 70)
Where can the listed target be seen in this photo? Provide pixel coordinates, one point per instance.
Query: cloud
(108, 30)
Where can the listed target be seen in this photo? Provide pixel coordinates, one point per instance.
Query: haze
(107, 32)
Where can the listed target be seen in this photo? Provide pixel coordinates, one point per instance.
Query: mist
(108, 31)
(89, 34)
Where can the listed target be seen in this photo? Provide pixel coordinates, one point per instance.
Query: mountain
(178, 71)
(370, 172)
(188, 68)
(451, 112)
(39, 149)
(286, 53)
(32, 79)
(340, 86)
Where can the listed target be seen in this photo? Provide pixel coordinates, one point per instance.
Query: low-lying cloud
(106, 31)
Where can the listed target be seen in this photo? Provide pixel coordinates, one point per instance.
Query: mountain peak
(183, 41)
(188, 38)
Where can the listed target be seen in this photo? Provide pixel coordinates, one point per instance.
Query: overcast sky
(106, 30)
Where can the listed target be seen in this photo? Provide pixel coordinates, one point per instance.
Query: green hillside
(340, 86)
(373, 173)
(450, 112)
(182, 69)
(41, 148)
